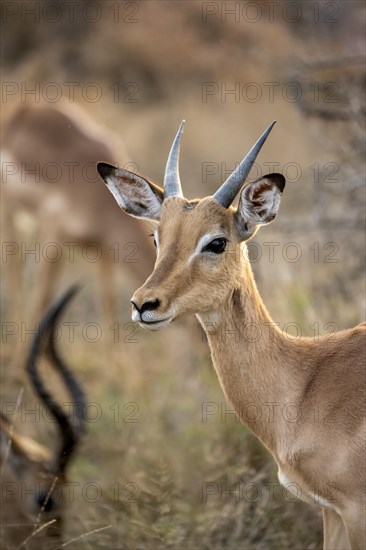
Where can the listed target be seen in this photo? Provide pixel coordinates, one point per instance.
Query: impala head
(34, 476)
(199, 241)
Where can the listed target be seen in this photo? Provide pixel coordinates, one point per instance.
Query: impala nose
(150, 305)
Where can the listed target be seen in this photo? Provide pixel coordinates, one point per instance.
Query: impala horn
(71, 427)
(231, 187)
(172, 186)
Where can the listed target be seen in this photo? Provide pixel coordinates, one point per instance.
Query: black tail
(70, 428)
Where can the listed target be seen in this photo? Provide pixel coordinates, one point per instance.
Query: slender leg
(47, 275)
(335, 535)
(13, 292)
(37, 297)
(357, 538)
(12, 265)
(355, 524)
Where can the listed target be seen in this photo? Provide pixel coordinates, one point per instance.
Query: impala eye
(217, 246)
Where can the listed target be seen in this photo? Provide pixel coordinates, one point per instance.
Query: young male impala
(33, 477)
(202, 268)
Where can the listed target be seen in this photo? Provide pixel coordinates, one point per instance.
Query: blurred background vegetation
(228, 68)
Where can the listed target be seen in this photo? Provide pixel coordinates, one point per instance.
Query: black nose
(150, 305)
(146, 306)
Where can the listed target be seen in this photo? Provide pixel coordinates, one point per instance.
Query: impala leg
(335, 534)
(355, 525)
(358, 538)
(14, 275)
(35, 300)
(48, 271)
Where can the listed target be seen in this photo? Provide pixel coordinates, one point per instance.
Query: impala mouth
(148, 320)
(155, 325)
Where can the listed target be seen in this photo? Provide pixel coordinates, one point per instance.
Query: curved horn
(231, 187)
(172, 186)
(70, 429)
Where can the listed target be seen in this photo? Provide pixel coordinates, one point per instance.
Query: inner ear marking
(156, 237)
(133, 193)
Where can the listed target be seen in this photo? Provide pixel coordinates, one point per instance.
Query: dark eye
(217, 246)
(43, 502)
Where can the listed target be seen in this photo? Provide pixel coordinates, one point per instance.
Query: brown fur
(322, 450)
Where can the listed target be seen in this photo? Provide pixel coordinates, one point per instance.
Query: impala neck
(252, 358)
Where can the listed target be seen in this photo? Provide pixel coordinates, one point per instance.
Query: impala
(202, 268)
(51, 190)
(33, 477)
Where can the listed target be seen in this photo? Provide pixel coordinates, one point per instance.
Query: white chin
(155, 326)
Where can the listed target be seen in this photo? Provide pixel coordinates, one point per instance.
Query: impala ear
(136, 195)
(18, 449)
(259, 203)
